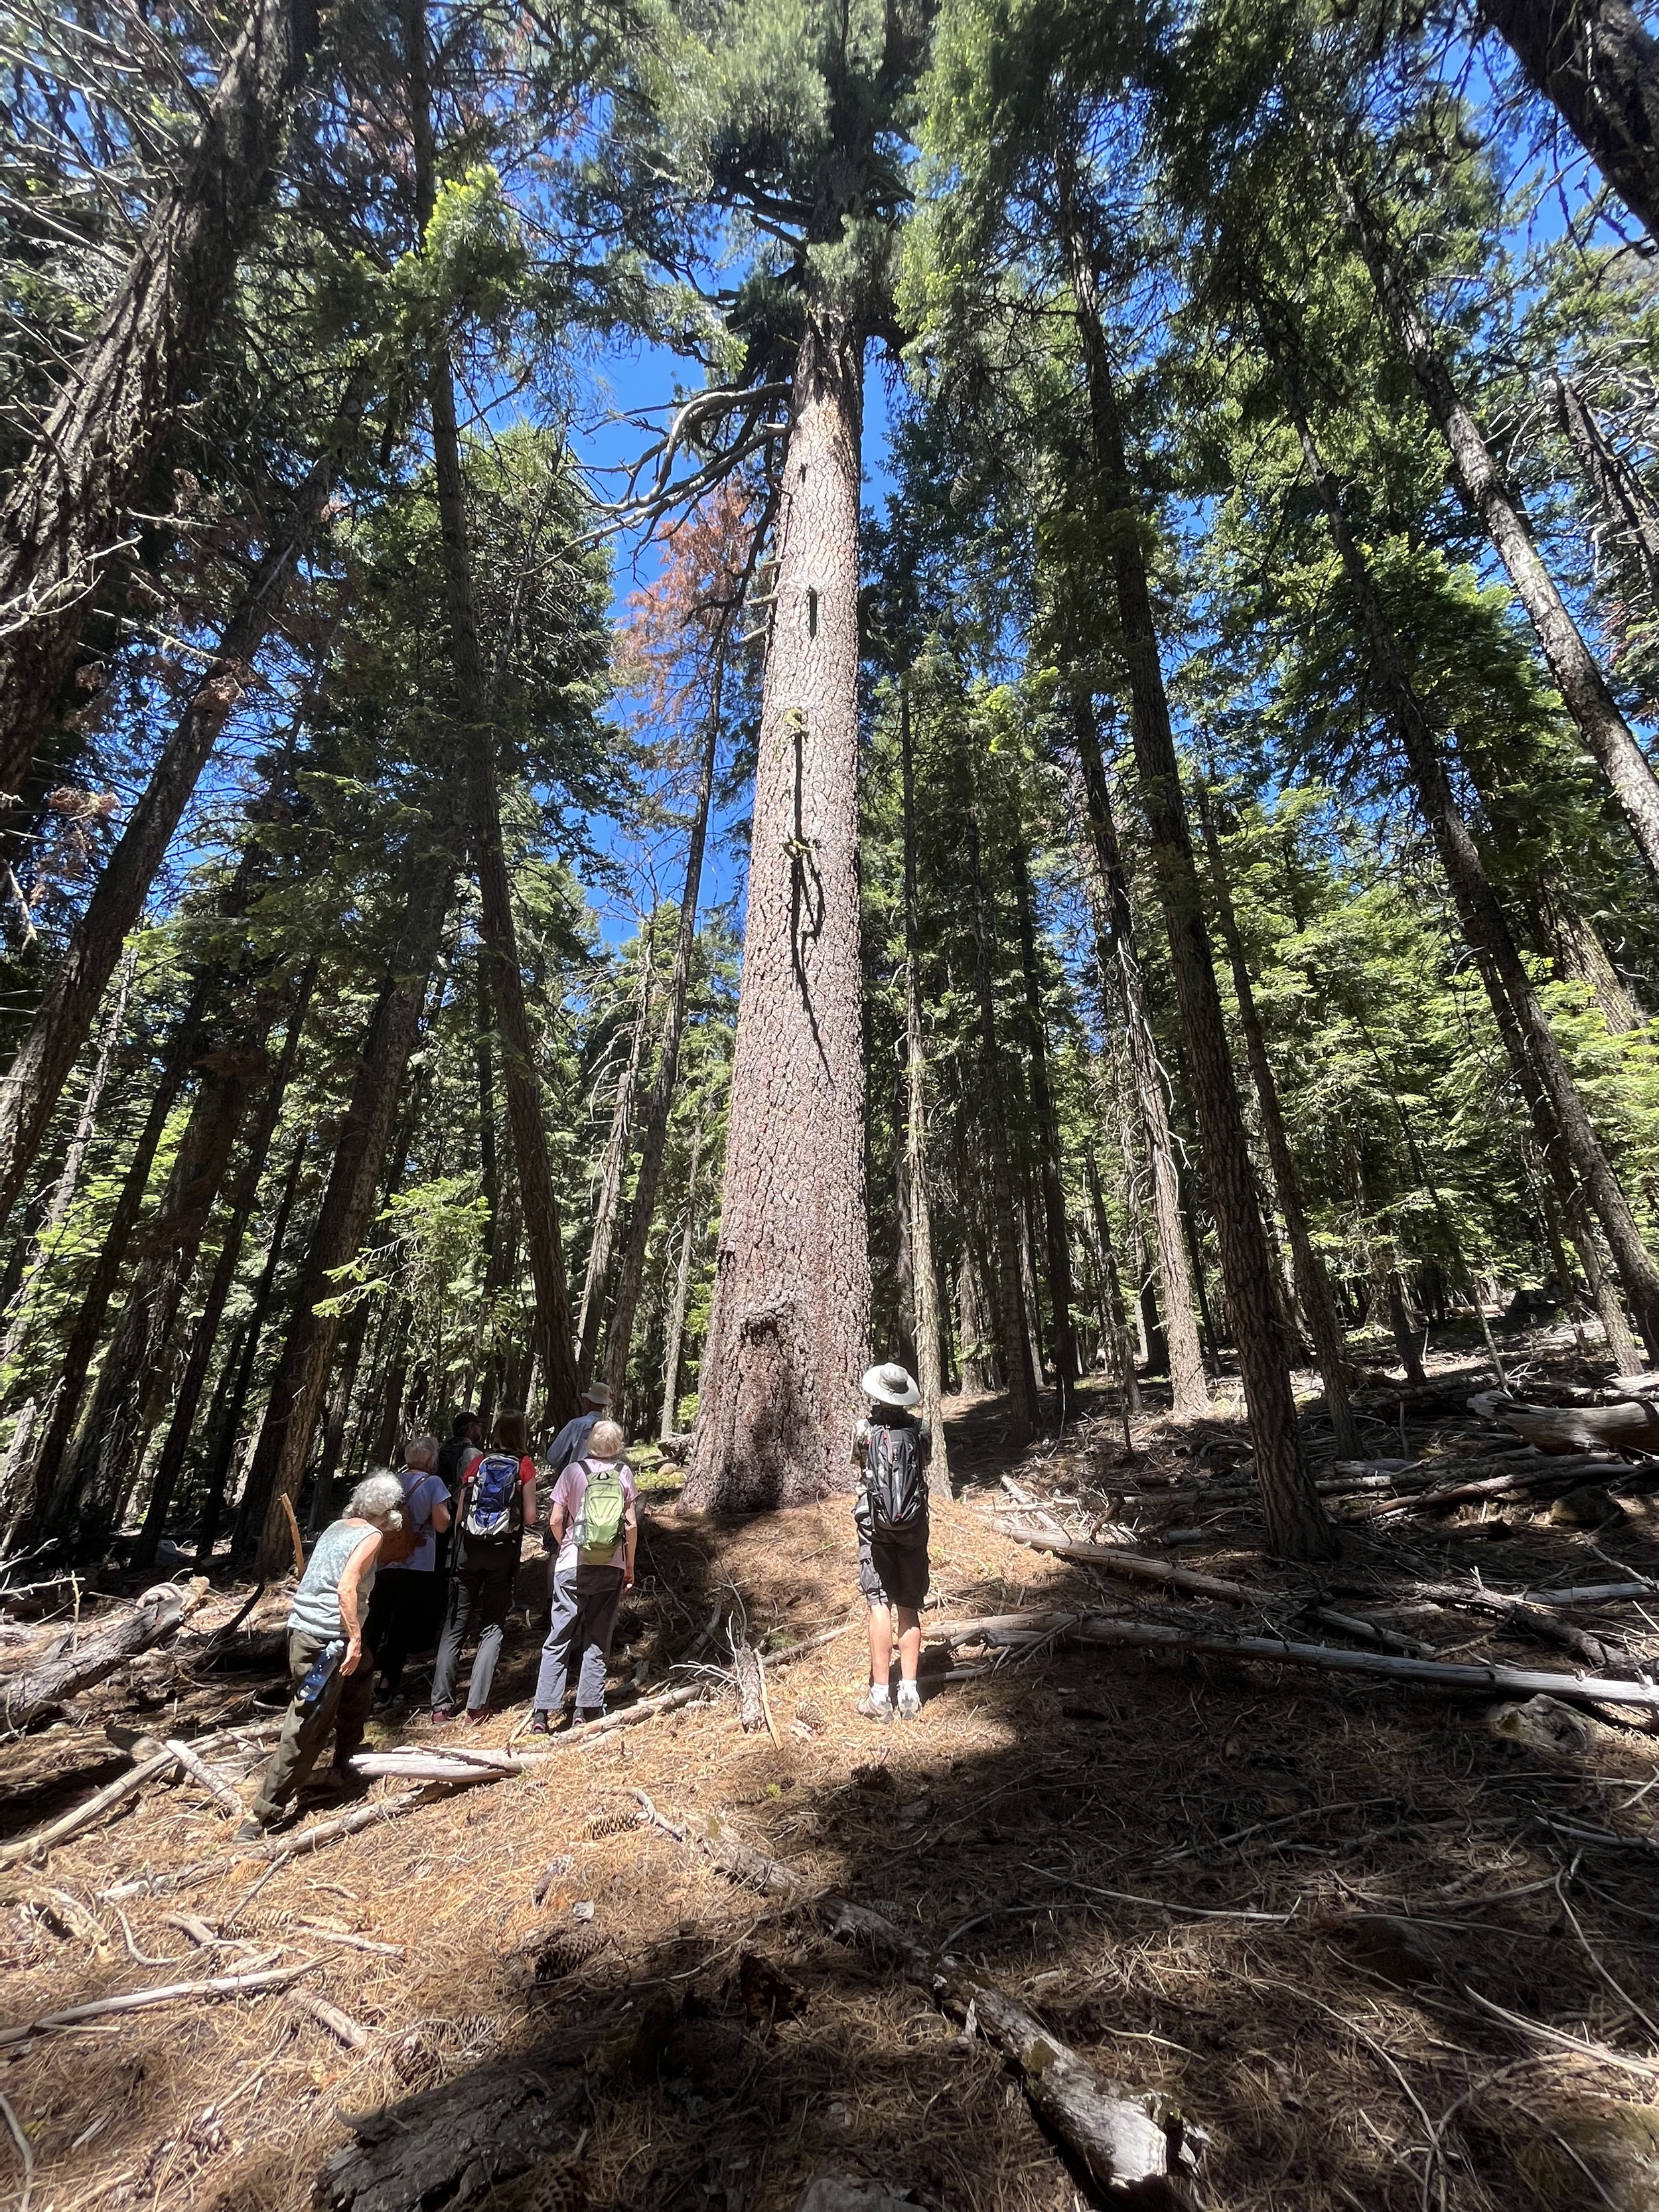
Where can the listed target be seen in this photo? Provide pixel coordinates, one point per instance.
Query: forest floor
(1292, 1901)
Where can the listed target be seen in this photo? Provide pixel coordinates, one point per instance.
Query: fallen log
(274, 1850)
(455, 2144)
(1633, 1426)
(1507, 1681)
(49, 1683)
(156, 1761)
(1133, 2145)
(1515, 1613)
(1138, 1567)
(1492, 1485)
(219, 1985)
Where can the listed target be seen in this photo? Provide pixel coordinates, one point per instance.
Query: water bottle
(321, 1669)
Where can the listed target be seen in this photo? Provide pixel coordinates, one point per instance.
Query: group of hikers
(440, 1541)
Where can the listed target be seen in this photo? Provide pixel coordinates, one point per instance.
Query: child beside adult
(497, 1504)
(593, 1519)
(892, 1448)
(334, 1682)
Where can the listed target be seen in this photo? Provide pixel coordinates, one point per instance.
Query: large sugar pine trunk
(68, 503)
(653, 1124)
(1312, 1287)
(1118, 955)
(1298, 1527)
(1599, 65)
(789, 1331)
(1607, 736)
(1479, 909)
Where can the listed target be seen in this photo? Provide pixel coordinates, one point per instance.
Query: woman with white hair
(403, 1617)
(334, 1687)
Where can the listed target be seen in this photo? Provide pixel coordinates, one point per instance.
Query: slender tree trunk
(1298, 1527)
(789, 1332)
(296, 1389)
(924, 1276)
(1006, 1286)
(1118, 955)
(1312, 1287)
(668, 1423)
(1617, 488)
(1047, 1134)
(654, 1128)
(226, 1425)
(1483, 918)
(1599, 65)
(613, 1167)
(69, 504)
(1115, 1321)
(50, 1234)
(60, 1028)
(476, 734)
(188, 1397)
(1607, 735)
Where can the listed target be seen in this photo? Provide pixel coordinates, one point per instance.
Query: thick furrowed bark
(1607, 735)
(1600, 67)
(1118, 955)
(1298, 1527)
(789, 1332)
(55, 1036)
(67, 509)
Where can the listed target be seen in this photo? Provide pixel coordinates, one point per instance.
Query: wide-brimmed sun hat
(889, 1385)
(598, 1393)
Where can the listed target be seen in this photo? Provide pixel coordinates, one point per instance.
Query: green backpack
(599, 1522)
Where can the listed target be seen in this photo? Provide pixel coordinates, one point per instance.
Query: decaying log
(1484, 1678)
(1559, 1429)
(274, 1849)
(1132, 2144)
(455, 2145)
(1516, 1614)
(752, 1700)
(1543, 1469)
(219, 1985)
(1137, 1566)
(154, 1762)
(42, 1688)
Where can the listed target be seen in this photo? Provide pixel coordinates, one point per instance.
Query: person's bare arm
(355, 1568)
(441, 1515)
(557, 1521)
(527, 1491)
(630, 1539)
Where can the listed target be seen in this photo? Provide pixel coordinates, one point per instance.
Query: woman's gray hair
(379, 1498)
(422, 1452)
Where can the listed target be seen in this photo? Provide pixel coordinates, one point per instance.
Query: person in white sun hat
(890, 1510)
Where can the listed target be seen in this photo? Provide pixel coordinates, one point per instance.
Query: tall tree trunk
(1117, 955)
(1005, 1284)
(1048, 1133)
(188, 1397)
(924, 1277)
(668, 1422)
(613, 1164)
(296, 1389)
(477, 738)
(1298, 1527)
(60, 1028)
(789, 1332)
(48, 1237)
(1312, 1287)
(225, 1424)
(1599, 65)
(1616, 488)
(69, 504)
(1607, 735)
(653, 1129)
(1484, 921)
(1115, 1317)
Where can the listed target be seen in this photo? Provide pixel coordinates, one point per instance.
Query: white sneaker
(909, 1702)
(874, 1708)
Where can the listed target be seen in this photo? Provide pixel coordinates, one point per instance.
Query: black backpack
(895, 1484)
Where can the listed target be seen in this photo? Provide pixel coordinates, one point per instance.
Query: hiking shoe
(873, 1708)
(476, 1715)
(252, 1830)
(584, 1714)
(541, 1725)
(909, 1702)
(442, 1716)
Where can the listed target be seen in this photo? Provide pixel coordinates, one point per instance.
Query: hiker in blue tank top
(594, 1522)
(497, 1503)
(889, 1511)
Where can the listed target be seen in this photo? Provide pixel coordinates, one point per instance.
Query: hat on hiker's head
(889, 1385)
(596, 1394)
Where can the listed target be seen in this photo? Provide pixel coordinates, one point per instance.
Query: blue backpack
(494, 1509)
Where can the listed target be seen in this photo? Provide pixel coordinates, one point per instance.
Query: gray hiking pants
(585, 1603)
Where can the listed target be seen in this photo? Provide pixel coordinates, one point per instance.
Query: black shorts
(894, 1574)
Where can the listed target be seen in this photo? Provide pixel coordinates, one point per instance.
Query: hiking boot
(909, 1702)
(584, 1714)
(541, 1725)
(476, 1715)
(252, 1830)
(442, 1716)
(873, 1708)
